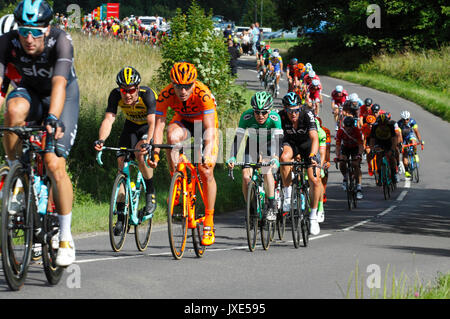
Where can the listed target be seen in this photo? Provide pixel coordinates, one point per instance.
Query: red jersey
(339, 99)
(350, 137)
(314, 93)
(307, 80)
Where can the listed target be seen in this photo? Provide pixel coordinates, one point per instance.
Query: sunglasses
(292, 111)
(128, 91)
(261, 112)
(35, 32)
(182, 86)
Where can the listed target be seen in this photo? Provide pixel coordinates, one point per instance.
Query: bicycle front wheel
(415, 172)
(251, 218)
(53, 273)
(17, 227)
(177, 217)
(143, 230)
(304, 222)
(266, 228)
(118, 216)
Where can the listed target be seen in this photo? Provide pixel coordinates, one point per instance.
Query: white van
(147, 21)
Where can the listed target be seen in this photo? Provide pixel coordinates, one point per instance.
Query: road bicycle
(385, 178)
(271, 86)
(340, 116)
(128, 188)
(256, 209)
(352, 181)
(413, 163)
(300, 203)
(25, 216)
(281, 216)
(186, 209)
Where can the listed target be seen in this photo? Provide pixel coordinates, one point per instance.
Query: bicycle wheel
(143, 230)
(177, 218)
(17, 227)
(415, 172)
(354, 199)
(118, 220)
(304, 221)
(281, 217)
(349, 192)
(296, 203)
(50, 249)
(266, 229)
(197, 232)
(251, 218)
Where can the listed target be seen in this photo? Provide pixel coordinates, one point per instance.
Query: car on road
(282, 33)
(147, 21)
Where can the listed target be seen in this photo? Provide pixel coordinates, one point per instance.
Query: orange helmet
(183, 73)
(301, 67)
(370, 119)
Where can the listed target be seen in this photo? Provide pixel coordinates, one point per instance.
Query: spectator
(255, 38)
(245, 42)
(227, 33)
(234, 55)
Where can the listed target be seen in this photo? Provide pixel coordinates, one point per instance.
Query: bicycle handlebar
(123, 149)
(254, 165)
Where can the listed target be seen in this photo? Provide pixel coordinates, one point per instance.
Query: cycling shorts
(350, 151)
(303, 149)
(132, 133)
(39, 107)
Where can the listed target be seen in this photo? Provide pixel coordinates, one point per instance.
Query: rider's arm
(105, 127)
(158, 133)
(149, 99)
(58, 95)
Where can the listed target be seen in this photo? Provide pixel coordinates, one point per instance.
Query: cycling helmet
(276, 50)
(315, 82)
(382, 118)
(37, 13)
(376, 108)
(262, 101)
(183, 73)
(308, 65)
(301, 66)
(7, 24)
(275, 54)
(311, 74)
(128, 76)
(370, 119)
(262, 43)
(368, 101)
(339, 88)
(349, 121)
(291, 99)
(353, 97)
(405, 115)
(294, 61)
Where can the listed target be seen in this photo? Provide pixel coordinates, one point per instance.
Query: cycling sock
(64, 227)
(209, 218)
(287, 191)
(149, 185)
(320, 208)
(271, 202)
(313, 214)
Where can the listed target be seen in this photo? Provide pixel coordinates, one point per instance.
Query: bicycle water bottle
(41, 192)
(303, 201)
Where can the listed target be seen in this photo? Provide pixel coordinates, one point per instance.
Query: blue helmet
(291, 99)
(37, 13)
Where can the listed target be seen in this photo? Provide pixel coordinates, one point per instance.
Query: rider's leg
(17, 109)
(286, 175)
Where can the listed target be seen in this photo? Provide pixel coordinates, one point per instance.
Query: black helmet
(349, 121)
(368, 101)
(291, 99)
(128, 76)
(376, 108)
(36, 13)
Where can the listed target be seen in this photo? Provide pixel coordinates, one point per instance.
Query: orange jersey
(200, 103)
(366, 129)
(328, 133)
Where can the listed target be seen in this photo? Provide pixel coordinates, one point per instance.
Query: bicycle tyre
(251, 217)
(266, 227)
(142, 231)
(17, 229)
(354, 191)
(117, 243)
(281, 217)
(177, 218)
(415, 172)
(197, 232)
(295, 216)
(53, 273)
(349, 192)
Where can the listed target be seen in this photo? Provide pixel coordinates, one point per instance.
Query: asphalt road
(406, 235)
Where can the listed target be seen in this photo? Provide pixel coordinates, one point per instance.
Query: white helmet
(7, 24)
(275, 54)
(405, 115)
(311, 74)
(339, 88)
(315, 82)
(353, 97)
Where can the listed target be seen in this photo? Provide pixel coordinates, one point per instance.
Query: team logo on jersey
(274, 117)
(34, 71)
(248, 116)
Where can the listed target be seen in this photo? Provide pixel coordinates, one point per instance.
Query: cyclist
(366, 130)
(338, 98)
(139, 104)
(314, 97)
(300, 142)
(325, 163)
(351, 106)
(11, 76)
(383, 136)
(265, 57)
(48, 93)
(349, 144)
(323, 155)
(410, 134)
(195, 107)
(291, 73)
(308, 77)
(276, 67)
(364, 110)
(264, 126)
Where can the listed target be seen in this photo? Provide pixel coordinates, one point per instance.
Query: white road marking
(401, 196)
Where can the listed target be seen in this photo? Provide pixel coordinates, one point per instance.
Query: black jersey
(306, 123)
(138, 112)
(37, 72)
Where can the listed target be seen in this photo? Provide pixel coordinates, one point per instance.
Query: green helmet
(262, 101)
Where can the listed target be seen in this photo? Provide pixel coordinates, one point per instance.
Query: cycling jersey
(276, 63)
(37, 72)
(306, 123)
(407, 129)
(349, 137)
(322, 135)
(138, 112)
(339, 99)
(314, 93)
(347, 107)
(200, 103)
(308, 80)
(382, 133)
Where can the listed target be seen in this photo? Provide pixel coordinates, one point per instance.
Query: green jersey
(322, 135)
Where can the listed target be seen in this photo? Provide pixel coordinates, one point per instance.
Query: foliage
(413, 24)
(194, 40)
